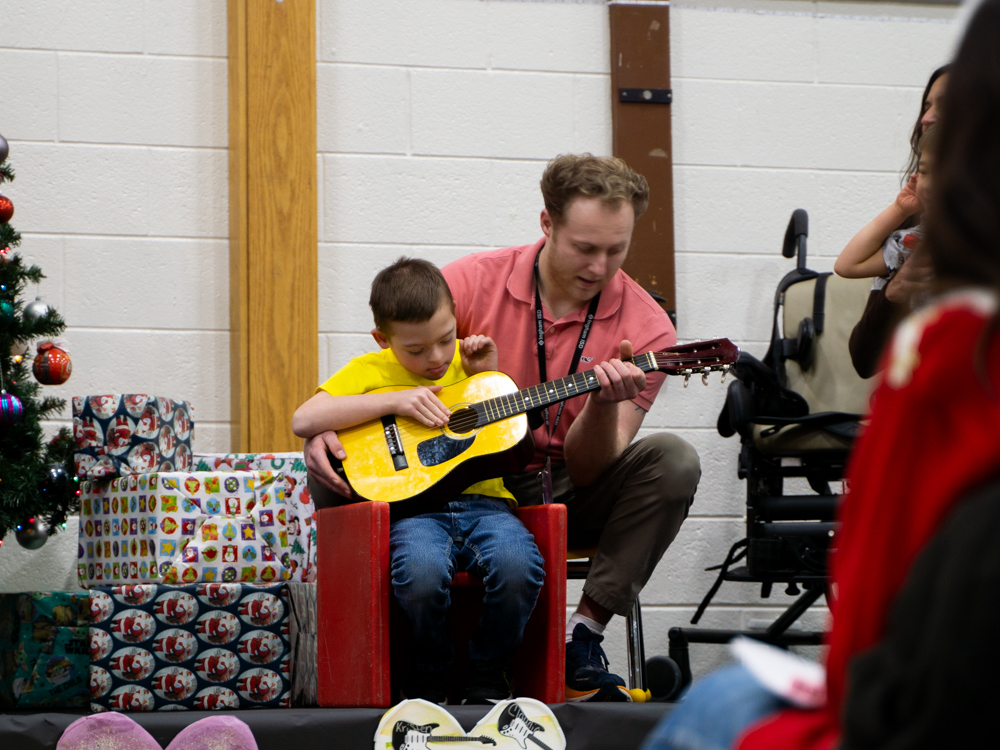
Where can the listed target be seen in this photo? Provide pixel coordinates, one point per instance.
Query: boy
(476, 531)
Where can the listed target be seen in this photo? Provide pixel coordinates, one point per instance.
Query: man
(626, 498)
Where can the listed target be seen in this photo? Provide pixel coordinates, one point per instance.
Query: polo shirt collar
(521, 284)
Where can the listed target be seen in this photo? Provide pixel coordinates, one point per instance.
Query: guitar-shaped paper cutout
(397, 458)
(515, 724)
(419, 725)
(518, 722)
(407, 736)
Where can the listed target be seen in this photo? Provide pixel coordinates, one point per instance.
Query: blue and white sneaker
(587, 675)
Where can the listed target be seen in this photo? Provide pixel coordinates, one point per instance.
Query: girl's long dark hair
(914, 160)
(963, 221)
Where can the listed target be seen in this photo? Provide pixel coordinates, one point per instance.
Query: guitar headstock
(698, 357)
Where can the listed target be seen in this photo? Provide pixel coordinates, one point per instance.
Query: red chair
(358, 632)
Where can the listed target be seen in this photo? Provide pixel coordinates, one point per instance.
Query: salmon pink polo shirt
(495, 296)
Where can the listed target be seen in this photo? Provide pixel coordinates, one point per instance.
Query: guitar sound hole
(463, 421)
(439, 449)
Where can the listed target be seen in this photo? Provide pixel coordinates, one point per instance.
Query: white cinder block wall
(116, 114)
(435, 119)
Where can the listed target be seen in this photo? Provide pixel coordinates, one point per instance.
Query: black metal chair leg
(636, 647)
(795, 611)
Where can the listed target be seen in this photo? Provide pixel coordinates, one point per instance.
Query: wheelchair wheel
(663, 676)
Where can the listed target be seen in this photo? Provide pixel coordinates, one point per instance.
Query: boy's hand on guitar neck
(620, 381)
(422, 404)
(479, 354)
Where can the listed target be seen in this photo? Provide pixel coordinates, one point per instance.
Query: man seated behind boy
(476, 531)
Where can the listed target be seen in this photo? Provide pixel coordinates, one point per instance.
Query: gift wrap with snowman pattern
(205, 647)
(300, 507)
(183, 528)
(122, 434)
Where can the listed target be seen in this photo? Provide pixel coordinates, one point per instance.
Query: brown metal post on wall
(272, 218)
(640, 117)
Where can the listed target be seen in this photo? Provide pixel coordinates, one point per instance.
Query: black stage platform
(608, 726)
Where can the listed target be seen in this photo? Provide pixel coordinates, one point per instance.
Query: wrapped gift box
(122, 434)
(44, 655)
(208, 646)
(184, 528)
(302, 600)
(301, 525)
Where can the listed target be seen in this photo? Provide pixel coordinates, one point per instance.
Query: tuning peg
(725, 371)
(704, 378)
(687, 379)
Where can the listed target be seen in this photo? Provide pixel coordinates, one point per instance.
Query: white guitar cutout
(514, 724)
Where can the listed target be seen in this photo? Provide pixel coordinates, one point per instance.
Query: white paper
(798, 680)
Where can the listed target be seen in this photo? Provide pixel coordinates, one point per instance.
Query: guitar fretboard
(453, 738)
(546, 394)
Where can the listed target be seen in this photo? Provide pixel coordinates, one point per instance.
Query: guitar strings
(465, 423)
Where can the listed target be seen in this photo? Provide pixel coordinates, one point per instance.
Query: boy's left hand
(479, 354)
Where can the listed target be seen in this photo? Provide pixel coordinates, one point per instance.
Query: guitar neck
(545, 394)
(470, 738)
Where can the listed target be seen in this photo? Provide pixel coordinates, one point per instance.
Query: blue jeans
(715, 712)
(479, 535)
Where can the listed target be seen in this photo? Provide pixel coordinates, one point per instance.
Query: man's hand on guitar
(318, 462)
(422, 404)
(620, 381)
(479, 354)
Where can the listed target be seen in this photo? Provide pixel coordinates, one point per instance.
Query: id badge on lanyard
(545, 475)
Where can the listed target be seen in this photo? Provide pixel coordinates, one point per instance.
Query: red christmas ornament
(52, 366)
(6, 255)
(6, 209)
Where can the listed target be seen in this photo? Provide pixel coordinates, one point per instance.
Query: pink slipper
(109, 731)
(214, 733)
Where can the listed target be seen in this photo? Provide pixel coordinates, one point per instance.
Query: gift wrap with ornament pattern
(122, 434)
(184, 528)
(204, 647)
(44, 653)
(301, 524)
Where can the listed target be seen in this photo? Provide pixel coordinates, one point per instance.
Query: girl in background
(891, 300)
(930, 445)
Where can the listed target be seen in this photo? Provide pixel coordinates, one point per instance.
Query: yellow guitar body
(438, 462)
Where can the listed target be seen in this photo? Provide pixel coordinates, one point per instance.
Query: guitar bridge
(394, 442)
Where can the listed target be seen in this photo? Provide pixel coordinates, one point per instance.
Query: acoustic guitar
(397, 458)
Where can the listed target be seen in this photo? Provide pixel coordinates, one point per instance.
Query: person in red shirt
(563, 304)
(930, 449)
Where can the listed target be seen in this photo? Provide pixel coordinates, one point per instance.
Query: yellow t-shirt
(381, 369)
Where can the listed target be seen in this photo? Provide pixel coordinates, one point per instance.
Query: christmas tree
(36, 492)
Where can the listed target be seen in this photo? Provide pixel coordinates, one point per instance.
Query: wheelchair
(797, 412)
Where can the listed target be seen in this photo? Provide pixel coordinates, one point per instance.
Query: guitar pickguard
(442, 448)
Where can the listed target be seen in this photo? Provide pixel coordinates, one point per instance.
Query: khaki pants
(631, 513)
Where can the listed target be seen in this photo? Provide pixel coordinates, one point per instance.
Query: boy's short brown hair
(607, 178)
(409, 291)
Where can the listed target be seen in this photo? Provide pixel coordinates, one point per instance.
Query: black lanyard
(577, 353)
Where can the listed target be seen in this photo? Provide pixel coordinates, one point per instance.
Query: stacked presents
(189, 560)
